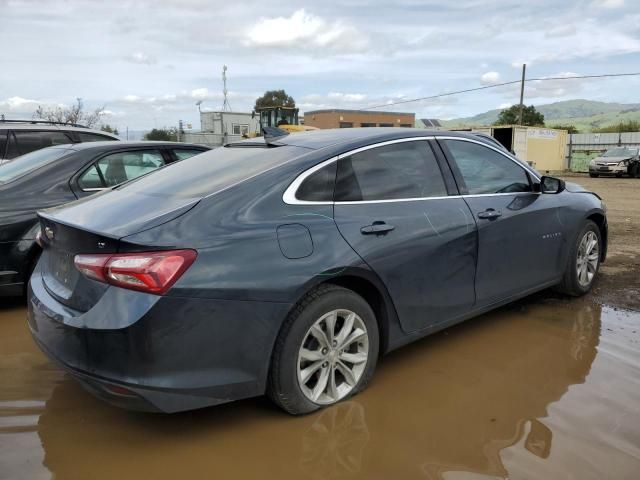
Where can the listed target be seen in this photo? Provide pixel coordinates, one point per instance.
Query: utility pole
(524, 69)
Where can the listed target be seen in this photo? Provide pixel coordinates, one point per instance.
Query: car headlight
(592, 162)
(623, 163)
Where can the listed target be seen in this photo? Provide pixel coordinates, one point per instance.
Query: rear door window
(486, 171)
(27, 142)
(120, 167)
(392, 172)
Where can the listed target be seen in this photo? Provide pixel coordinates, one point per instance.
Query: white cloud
(347, 97)
(561, 31)
(303, 31)
(609, 3)
(200, 93)
(132, 98)
(490, 78)
(18, 104)
(141, 58)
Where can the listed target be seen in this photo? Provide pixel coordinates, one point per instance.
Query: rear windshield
(211, 171)
(29, 162)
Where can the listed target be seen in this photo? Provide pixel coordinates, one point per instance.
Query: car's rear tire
(326, 351)
(634, 170)
(583, 261)
(594, 175)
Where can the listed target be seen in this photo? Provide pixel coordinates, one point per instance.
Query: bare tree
(73, 114)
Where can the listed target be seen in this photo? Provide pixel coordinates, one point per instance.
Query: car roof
(317, 139)
(47, 127)
(107, 144)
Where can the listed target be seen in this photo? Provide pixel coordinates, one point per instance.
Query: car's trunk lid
(86, 229)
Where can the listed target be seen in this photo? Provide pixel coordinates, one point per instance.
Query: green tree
(568, 128)
(109, 129)
(275, 98)
(628, 126)
(73, 114)
(162, 134)
(530, 116)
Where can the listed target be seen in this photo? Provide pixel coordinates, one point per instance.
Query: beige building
(358, 118)
(543, 148)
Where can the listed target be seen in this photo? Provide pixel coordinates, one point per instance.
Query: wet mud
(546, 388)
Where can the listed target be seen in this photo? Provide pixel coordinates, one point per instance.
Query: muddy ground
(619, 283)
(547, 388)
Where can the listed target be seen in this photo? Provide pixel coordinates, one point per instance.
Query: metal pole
(524, 69)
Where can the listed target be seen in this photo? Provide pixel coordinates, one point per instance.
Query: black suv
(18, 137)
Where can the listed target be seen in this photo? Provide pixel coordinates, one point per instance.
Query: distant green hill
(585, 115)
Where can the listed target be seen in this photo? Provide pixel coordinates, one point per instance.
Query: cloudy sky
(149, 62)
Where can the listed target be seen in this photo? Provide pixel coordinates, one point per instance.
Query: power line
(485, 87)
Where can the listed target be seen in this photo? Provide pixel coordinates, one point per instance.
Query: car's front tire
(594, 175)
(583, 262)
(326, 351)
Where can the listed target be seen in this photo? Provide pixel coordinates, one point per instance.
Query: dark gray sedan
(56, 175)
(288, 266)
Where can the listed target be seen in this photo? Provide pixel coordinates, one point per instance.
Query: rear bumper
(181, 354)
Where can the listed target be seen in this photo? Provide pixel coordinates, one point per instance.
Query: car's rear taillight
(152, 272)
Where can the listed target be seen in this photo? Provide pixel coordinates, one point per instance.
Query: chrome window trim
(94, 189)
(289, 195)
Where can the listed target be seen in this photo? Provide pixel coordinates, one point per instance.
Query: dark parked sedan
(56, 175)
(289, 267)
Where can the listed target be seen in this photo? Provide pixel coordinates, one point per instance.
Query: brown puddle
(545, 389)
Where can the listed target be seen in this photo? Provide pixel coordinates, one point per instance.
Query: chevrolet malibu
(289, 266)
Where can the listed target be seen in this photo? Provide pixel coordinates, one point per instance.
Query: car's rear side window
(486, 171)
(391, 172)
(318, 187)
(30, 141)
(93, 137)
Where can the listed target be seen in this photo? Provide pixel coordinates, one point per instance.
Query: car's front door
(520, 231)
(392, 206)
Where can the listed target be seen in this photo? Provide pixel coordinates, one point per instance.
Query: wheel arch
(601, 221)
(366, 284)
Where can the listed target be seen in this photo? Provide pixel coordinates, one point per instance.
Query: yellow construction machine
(285, 118)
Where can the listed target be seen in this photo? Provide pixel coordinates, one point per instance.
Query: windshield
(29, 162)
(211, 171)
(621, 152)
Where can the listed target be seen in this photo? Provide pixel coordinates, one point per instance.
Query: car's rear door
(520, 231)
(392, 206)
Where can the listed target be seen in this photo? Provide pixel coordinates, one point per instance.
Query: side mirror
(551, 185)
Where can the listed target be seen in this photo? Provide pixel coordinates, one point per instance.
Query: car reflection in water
(450, 403)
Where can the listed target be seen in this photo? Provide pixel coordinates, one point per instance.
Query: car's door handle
(490, 214)
(377, 228)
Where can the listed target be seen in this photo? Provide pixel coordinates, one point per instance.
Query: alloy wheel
(333, 356)
(588, 258)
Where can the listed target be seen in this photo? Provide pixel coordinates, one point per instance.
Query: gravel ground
(619, 282)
